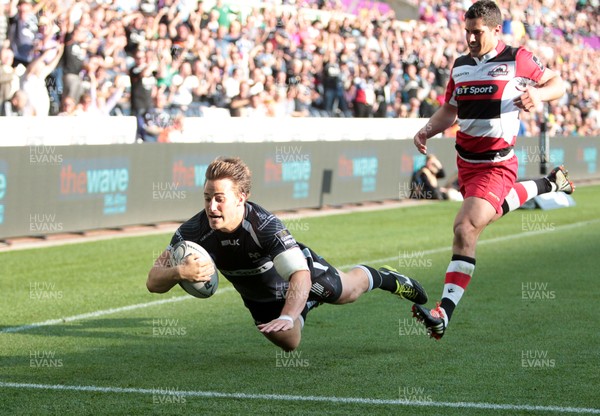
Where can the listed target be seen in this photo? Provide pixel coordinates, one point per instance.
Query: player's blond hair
(233, 169)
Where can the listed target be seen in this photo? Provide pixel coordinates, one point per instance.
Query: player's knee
(326, 288)
(287, 344)
(465, 230)
(289, 348)
(465, 235)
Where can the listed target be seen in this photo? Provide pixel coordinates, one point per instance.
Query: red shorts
(489, 181)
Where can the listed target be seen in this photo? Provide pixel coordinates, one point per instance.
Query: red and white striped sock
(458, 275)
(524, 191)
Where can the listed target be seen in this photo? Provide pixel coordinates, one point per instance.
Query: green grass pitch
(524, 339)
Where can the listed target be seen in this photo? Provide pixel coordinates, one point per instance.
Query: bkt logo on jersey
(471, 90)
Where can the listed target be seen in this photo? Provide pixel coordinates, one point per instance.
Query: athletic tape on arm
(289, 262)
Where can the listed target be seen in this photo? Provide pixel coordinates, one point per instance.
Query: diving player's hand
(196, 269)
(276, 325)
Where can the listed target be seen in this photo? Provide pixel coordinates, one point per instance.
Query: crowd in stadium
(162, 60)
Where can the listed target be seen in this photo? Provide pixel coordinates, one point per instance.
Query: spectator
(240, 102)
(364, 96)
(33, 81)
(67, 106)
(424, 182)
(76, 46)
(383, 96)
(3, 24)
(9, 79)
(173, 131)
(154, 122)
(260, 46)
(16, 106)
(333, 86)
(143, 84)
(429, 105)
(23, 27)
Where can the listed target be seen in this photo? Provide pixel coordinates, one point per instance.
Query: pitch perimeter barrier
(53, 189)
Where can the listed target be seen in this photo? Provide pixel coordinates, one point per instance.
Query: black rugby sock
(382, 281)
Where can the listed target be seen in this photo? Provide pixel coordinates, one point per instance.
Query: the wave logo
(296, 172)
(188, 172)
(106, 179)
(363, 167)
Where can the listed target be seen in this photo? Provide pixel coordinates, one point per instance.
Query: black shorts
(326, 288)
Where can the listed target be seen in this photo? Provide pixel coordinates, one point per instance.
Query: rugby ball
(197, 289)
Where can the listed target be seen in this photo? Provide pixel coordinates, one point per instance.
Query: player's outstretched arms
(162, 276)
(443, 118)
(295, 300)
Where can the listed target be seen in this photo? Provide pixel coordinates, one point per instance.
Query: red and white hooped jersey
(483, 91)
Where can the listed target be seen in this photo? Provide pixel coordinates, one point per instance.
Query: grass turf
(523, 335)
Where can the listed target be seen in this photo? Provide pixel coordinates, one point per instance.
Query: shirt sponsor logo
(500, 70)
(461, 74)
(234, 242)
(286, 239)
(472, 90)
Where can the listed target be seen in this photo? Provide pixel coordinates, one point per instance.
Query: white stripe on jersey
(249, 272)
(495, 127)
(248, 227)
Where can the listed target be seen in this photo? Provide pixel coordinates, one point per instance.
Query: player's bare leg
(354, 284)
(474, 215)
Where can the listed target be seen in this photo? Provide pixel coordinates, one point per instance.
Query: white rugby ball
(197, 289)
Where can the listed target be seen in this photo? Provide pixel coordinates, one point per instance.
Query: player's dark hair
(487, 10)
(231, 168)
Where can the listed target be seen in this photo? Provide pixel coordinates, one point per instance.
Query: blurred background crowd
(163, 60)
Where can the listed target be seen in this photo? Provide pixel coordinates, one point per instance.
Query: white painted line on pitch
(103, 312)
(489, 241)
(180, 298)
(293, 398)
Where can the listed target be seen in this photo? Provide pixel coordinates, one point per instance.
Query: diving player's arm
(291, 264)
(297, 294)
(162, 276)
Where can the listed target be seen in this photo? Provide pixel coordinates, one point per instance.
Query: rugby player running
(487, 89)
